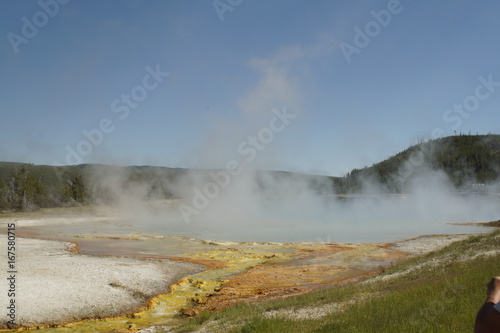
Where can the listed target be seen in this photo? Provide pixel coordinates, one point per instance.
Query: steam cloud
(277, 206)
(257, 205)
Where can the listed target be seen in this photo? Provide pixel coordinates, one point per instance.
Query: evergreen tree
(25, 190)
(78, 191)
(3, 194)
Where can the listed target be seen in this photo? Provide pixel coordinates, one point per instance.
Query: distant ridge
(469, 161)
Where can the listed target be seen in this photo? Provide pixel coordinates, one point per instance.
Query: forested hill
(27, 186)
(469, 161)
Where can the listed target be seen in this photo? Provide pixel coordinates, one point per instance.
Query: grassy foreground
(437, 292)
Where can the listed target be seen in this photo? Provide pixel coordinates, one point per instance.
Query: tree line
(466, 160)
(28, 187)
(23, 190)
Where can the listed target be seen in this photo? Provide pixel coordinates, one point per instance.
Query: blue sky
(229, 67)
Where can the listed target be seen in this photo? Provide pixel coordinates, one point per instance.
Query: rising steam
(237, 200)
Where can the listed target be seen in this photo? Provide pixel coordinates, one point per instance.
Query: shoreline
(131, 307)
(134, 283)
(87, 287)
(426, 243)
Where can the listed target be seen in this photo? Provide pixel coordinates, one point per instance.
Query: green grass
(442, 295)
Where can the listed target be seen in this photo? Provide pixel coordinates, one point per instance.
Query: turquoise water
(179, 234)
(354, 220)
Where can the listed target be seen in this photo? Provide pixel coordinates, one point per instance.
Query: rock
(190, 312)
